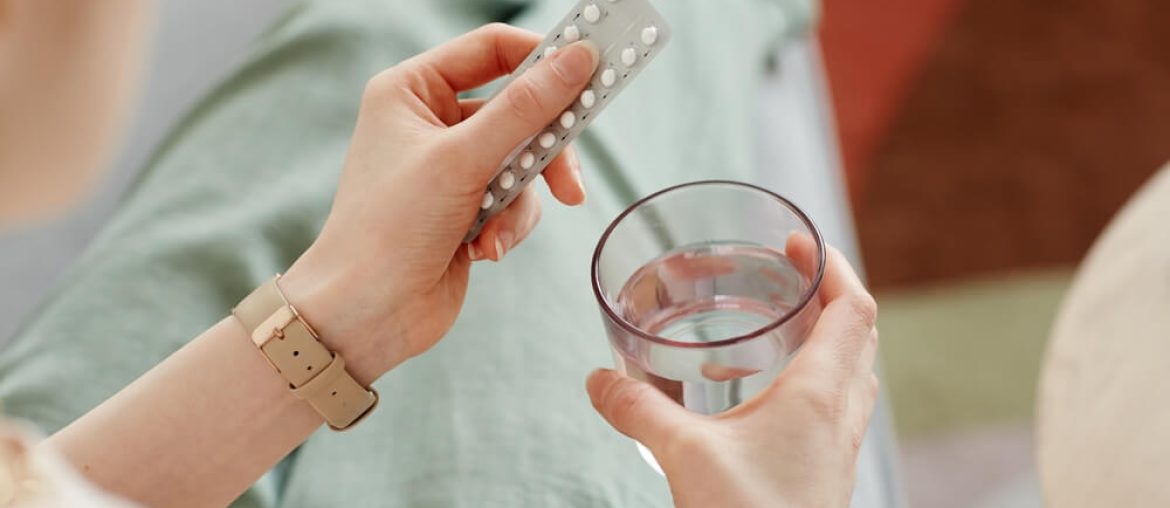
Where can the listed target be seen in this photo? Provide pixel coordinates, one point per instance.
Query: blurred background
(987, 143)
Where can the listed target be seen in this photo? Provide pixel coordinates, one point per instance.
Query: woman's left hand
(387, 276)
(796, 442)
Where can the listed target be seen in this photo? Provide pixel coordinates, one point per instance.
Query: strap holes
(334, 394)
(291, 387)
(296, 353)
(309, 367)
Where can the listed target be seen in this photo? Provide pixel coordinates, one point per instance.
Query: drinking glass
(707, 289)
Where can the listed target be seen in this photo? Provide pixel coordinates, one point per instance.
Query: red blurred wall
(873, 51)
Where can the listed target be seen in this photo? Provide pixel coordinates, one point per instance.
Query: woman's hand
(382, 283)
(795, 444)
(387, 276)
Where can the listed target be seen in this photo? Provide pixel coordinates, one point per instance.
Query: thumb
(531, 102)
(636, 409)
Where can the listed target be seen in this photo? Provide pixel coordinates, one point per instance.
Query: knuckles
(382, 88)
(494, 30)
(865, 308)
(825, 405)
(621, 400)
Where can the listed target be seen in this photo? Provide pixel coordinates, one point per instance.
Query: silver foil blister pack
(629, 34)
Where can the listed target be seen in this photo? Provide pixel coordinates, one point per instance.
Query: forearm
(196, 430)
(213, 417)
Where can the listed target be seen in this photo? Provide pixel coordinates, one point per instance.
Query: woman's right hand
(795, 444)
(386, 278)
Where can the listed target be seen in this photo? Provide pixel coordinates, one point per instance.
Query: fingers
(563, 174)
(468, 107)
(802, 250)
(529, 103)
(563, 177)
(868, 355)
(635, 408)
(840, 336)
(479, 56)
(843, 341)
(843, 294)
(840, 280)
(506, 230)
(864, 390)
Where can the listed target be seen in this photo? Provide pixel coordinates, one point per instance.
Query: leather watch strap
(290, 345)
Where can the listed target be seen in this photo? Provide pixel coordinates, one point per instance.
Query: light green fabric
(495, 415)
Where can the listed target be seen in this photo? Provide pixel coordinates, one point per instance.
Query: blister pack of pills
(629, 34)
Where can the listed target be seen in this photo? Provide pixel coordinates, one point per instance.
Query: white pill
(488, 200)
(507, 180)
(549, 51)
(613, 1)
(568, 119)
(527, 160)
(629, 57)
(547, 140)
(572, 34)
(649, 35)
(592, 13)
(588, 99)
(608, 77)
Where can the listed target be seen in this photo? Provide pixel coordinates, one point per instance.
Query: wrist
(350, 321)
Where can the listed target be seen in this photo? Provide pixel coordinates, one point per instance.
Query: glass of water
(702, 292)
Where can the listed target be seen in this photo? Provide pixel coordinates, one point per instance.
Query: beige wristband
(314, 373)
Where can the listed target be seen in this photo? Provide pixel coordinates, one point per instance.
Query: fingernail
(503, 243)
(575, 64)
(473, 252)
(574, 162)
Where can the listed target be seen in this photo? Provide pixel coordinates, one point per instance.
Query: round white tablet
(527, 160)
(507, 180)
(488, 200)
(649, 35)
(592, 13)
(549, 51)
(572, 34)
(588, 99)
(608, 77)
(629, 57)
(568, 119)
(547, 140)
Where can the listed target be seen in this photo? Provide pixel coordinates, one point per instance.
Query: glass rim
(805, 298)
